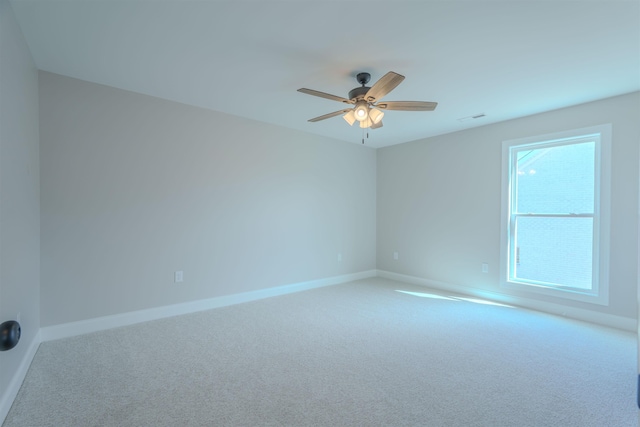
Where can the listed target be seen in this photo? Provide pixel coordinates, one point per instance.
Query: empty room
(319, 213)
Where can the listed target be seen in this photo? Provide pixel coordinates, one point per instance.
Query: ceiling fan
(366, 101)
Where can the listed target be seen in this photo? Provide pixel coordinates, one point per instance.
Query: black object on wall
(9, 335)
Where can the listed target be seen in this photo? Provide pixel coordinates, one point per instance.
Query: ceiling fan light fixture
(361, 110)
(366, 123)
(350, 117)
(375, 115)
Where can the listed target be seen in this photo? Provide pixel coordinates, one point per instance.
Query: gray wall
(135, 188)
(439, 202)
(19, 196)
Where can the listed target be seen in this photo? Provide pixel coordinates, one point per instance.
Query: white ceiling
(505, 59)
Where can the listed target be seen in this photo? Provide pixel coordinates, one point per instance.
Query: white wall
(439, 204)
(135, 188)
(19, 202)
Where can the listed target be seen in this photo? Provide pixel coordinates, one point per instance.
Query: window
(555, 214)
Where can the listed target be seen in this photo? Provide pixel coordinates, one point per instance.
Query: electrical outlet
(339, 257)
(396, 256)
(485, 267)
(179, 276)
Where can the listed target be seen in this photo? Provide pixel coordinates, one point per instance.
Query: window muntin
(554, 241)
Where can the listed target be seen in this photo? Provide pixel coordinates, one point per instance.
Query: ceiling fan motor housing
(358, 92)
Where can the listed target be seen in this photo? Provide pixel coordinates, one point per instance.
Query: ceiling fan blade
(324, 95)
(376, 125)
(328, 116)
(386, 84)
(408, 105)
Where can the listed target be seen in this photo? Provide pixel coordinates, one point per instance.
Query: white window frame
(599, 294)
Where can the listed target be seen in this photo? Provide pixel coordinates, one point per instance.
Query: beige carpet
(358, 354)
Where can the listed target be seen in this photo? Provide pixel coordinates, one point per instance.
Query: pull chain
(363, 134)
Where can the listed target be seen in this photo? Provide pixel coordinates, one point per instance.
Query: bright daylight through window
(555, 214)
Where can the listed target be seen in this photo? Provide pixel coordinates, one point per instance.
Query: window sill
(575, 295)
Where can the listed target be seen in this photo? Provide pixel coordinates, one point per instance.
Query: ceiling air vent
(469, 118)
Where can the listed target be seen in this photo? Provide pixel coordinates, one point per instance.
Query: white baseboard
(6, 400)
(609, 320)
(65, 330)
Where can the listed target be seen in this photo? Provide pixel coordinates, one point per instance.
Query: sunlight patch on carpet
(451, 298)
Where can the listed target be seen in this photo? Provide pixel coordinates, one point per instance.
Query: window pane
(556, 179)
(554, 251)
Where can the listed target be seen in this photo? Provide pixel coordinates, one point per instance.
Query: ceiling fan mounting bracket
(363, 78)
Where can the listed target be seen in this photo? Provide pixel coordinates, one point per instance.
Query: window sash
(514, 256)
